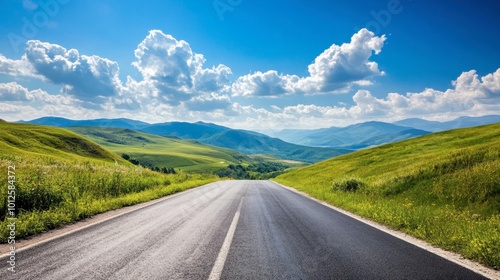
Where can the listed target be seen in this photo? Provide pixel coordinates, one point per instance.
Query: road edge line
(448, 255)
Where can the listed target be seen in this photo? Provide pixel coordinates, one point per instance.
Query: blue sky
(250, 64)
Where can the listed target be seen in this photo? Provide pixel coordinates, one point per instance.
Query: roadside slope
(443, 188)
(56, 177)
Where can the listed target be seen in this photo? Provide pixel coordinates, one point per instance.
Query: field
(170, 152)
(190, 156)
(443, 188)
(60, 177)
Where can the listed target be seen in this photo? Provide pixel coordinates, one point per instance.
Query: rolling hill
(247, 142)
(354, 137)
(153, 150)
(243, 141)
(442, 187)
(26, 139)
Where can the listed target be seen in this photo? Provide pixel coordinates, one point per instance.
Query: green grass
(61, 177)
(443, 188)
(25, 139)
(152, 150)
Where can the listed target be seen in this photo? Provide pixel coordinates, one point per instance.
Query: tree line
(134, 161)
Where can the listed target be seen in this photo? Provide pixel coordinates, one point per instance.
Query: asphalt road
(232, 230)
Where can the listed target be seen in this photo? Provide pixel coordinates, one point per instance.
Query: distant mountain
(247, 142)
(243, 141)
(460, 122)
(62, 122)
(355, 136)
(199, 131)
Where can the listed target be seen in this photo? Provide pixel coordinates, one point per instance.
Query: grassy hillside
(243, 141)
(443, 188)
(153, 150)
(60, 177)
(25, 139)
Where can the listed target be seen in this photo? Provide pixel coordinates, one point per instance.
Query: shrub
(348, 185)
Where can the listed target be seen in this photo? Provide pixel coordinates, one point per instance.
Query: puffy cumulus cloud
(212, 79)
(470, 95)
(30, 104)
(339, 66)
(333, 71)
(18, 102)
(14, 92)
(88, 78)
(268, 84)
(16, 67)
(491, 82)
(175, 71)
(18, 94)
(368, 106)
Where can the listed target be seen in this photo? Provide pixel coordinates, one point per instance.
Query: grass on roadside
(60, 177)
(443, 188)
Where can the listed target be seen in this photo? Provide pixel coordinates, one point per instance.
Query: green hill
(153, 150)
(442, 187)
(25, 139)
(56, 177)
(243, 141)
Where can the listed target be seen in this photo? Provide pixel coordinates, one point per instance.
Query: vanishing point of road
(232, 230)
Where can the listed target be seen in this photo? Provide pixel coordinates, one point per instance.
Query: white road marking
(224, 250)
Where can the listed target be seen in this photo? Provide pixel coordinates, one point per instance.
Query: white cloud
(88, 78)
(270, 84)
(333, 71)
(172, 74)
(18, 102)
(14, 92)
(176, 86)
(470, 95)
(16, 68)
(175, 71)
(211, 79)
(491, 83)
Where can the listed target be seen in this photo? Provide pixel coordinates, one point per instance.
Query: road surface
(232, 230)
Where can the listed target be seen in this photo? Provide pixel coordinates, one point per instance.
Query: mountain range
(243, 141)
(353, 137)
(368, 134)
(305, 145)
